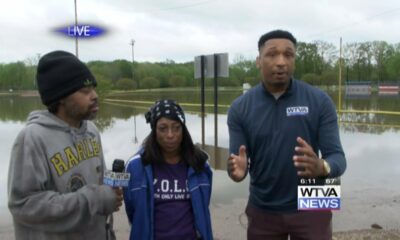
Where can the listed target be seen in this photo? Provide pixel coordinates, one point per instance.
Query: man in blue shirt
(281, 130)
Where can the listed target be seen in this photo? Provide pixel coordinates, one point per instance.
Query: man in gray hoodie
(56, 170)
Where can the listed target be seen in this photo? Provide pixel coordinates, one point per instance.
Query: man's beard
(279, 84)
(79, 115)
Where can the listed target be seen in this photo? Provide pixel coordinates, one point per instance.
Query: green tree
(311, 78)
(14, 76)
(393, 64)
(125, 84)
(307, 59)
(103, 86)
(110, 71)
(327, 55)
(150, 82)
(357, 61)
(329, 78)
(125, 68)
(382, 52)
(176, 81)
(243, 70)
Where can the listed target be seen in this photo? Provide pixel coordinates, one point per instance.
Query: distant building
(391, 90)
(358, 89)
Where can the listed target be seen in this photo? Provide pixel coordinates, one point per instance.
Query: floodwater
(370, 192)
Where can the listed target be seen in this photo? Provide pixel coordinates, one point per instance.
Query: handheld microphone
(117, 177)
(118, 165)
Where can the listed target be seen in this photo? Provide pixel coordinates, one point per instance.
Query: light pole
(133, 61)
(135, 140)
(76, 24)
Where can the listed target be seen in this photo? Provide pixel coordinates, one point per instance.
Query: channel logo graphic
(81, 31)
(116, 179)
(318, 194)
(296, 111)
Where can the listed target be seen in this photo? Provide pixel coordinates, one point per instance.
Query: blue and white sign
(116, 179)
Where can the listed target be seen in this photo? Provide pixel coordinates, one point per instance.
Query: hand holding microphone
(117, 178)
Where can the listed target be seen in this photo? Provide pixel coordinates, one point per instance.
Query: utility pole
(36, 63)
(76, 24)
(339, 107)
(135, 140)
(133, 61)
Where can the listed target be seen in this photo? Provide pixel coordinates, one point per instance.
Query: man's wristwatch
(327, 168)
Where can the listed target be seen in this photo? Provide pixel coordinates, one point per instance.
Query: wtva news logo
(318, 194)
(296, 111)
(81, 31)
(116, 179)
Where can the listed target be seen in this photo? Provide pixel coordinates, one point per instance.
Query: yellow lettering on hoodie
(59, 164)
(96, 147)
(89, 152)
(72, 160)
(80, 150)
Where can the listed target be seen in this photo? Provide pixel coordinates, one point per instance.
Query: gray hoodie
(54, 181)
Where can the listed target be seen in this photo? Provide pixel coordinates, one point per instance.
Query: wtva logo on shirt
(296, 111)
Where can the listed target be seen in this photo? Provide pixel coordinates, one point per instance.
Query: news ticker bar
(116, 179)
(315, 194)
(318, 181)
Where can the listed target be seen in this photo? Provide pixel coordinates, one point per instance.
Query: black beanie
(60, 74)
(165, 108)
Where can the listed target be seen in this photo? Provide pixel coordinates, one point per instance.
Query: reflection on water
(372, 146)
(16, 108)
(390, 104)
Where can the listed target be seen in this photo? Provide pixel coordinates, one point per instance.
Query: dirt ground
(373, 219)
(229, 223)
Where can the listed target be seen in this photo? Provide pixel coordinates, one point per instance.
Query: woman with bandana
(170, 186)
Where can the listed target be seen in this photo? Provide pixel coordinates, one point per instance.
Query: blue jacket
(139, 199)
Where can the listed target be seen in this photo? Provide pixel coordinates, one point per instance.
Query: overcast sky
(182, 29)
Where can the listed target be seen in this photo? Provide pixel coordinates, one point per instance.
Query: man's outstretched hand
(237, 165)
(307, 161)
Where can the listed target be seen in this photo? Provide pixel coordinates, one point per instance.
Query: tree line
(316, 63)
